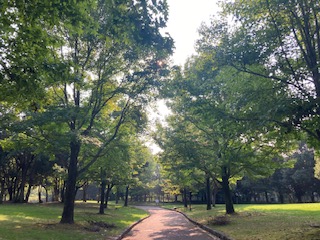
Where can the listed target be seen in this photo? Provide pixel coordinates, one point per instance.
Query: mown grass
(262, 221)
(41, 221)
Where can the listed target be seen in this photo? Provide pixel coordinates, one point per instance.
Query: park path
(166, 225)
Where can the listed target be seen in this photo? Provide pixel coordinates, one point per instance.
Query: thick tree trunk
(20, 195)
(70, 191)
(126, 196)
(185, 201)
(208, 190)
(227, 192)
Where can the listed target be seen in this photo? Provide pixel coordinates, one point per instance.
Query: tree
(213, 100)
(97, 65)
(282, 39)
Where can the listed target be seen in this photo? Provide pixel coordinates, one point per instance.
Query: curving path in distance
(166, 225)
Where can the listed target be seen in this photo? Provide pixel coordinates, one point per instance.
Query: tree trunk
(70, 191)
(2, 190)
(20, 196)
(227, 192)
(126, 196)
(47, 194)
(10, 191)
(208, 190)
(56, 191)
(214, 196)
(102, 196)
(267, 197)
(117, 196)
(84, 192)
(185, 201)
(63, 191)
(109, 187)
(39, 194)
(28, 193)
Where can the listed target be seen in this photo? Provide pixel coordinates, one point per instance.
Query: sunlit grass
(283, 207)
(41, 221)
(264, 221)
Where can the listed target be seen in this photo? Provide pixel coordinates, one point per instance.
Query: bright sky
(185, 17)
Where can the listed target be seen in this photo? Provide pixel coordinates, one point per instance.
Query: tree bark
(2, 190)
(208, 190)
(109, 187)
(126, 196)
(70, 191)
(117, 196)
(39, 194)
(56, 192)
(102, 196)
(227, 192)
(185, 201)
(84, 192)
(28, 193)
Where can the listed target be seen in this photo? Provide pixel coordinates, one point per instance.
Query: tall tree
(100, 64)
(212, 99)
(281, 38)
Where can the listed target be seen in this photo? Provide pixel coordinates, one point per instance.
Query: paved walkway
(166, 225)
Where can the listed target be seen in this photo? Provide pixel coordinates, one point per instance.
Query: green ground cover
(262, 221)
(41, 221)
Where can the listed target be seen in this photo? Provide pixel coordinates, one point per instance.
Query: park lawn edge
(260, 221)
(41, 221)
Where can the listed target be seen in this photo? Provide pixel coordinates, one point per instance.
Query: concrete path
(165, 224)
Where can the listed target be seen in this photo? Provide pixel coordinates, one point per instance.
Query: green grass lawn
(262, 221)
(41, 221)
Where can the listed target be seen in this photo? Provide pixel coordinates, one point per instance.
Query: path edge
(216, 233)
(125, 232)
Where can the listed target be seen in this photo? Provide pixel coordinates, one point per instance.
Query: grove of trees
(72, 74)
(245, 100)
(76, 78)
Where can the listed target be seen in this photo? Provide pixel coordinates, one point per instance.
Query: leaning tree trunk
(28, 193)
(70, 191)
(227, 192)
(208, 190)
(109, 187)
